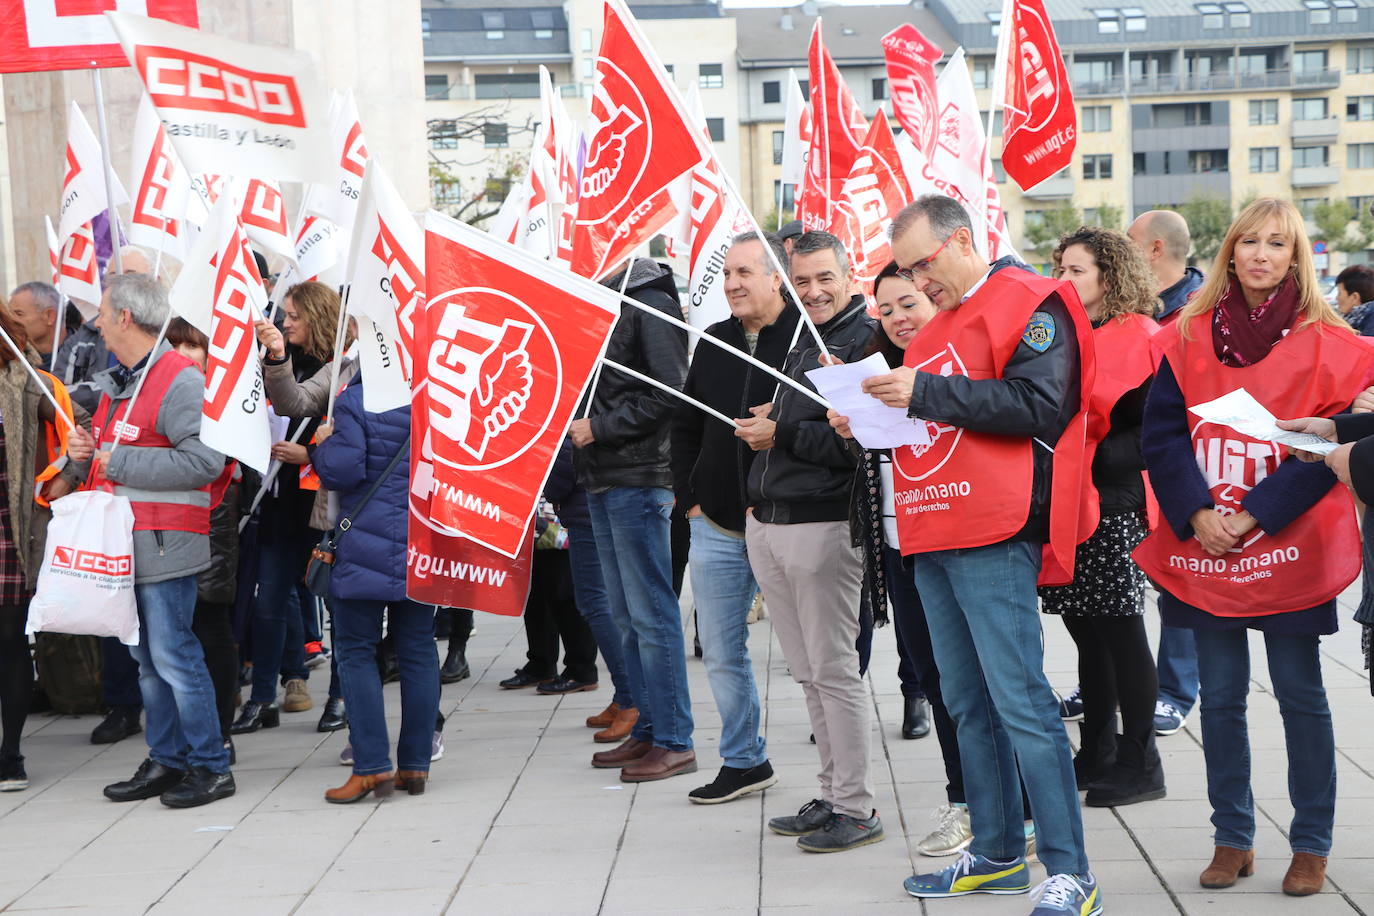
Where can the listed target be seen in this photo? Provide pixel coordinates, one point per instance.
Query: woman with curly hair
(1103, 608)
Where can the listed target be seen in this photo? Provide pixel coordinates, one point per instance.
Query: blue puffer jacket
(371, 560)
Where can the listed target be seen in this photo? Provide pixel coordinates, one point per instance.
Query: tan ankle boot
(619, 729)
(1228, 864)
(1305, 876)
(605, 718)
(297, 697)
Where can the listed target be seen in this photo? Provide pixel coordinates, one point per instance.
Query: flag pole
(999, 68)
(596, 374)
(340, 334)
(33, 374)
(143, 376)
(108, 169)
(267, 480)
(669, 389)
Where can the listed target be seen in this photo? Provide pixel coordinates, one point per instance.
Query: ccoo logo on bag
(494, 378)
(92, 562)
(944, 439)
(620, 148)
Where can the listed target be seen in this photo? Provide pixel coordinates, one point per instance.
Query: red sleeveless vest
(971, 489)
(1314, 371)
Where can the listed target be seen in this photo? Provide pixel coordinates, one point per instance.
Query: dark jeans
(278, 636)
(213, 625)
(118, 675)
(1295, 669)
(550, 614)
(590, 590)
(1115, 669)
(16, 676)
(357, 634)
(310, 610)
(1177, 665)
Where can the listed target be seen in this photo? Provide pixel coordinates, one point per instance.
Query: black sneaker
(199, 787)
(12, 775)
(732, 782)
(151, 778)
(121, 722)
(809, 819)
(843, 832)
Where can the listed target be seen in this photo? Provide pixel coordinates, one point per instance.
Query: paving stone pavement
(516, 821)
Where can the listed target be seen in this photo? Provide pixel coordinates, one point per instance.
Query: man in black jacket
(710, 472)
(797, 535)
(622, 461)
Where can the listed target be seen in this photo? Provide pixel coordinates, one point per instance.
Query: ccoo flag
(1041, 121)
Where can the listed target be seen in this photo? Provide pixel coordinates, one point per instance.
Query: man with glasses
(998, 379)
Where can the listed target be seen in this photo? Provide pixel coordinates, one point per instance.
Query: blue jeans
(357, 633)
(278, 633)
(1295, 668)
(311, 630)
(724, 588)
(178, 696)
(589, 591)
(632, 541)
(1177, 664)
(981, 605)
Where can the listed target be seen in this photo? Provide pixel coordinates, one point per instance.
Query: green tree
(1109, 215)
(1333, 218)
(1208, 218)
(1043, 232)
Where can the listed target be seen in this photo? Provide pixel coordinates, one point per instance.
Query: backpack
(69, 672)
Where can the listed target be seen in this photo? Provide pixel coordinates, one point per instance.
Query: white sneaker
(952, 832)
(437, 748)
(346, 755)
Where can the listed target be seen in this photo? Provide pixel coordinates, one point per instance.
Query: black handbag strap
(346, 522)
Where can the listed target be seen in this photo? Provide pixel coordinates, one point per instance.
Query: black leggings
(16, 676)
(213, 625)
(1115, 668)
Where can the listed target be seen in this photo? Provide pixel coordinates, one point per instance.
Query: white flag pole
(596, 374)
(143, 377)
(648, 380)
(999, 68)
(340, 333)
(108, 168)
(272, 473)
(33, 373)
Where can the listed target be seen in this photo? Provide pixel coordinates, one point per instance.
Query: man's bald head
(1162, 236)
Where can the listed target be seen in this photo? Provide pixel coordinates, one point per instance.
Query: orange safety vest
(1313, 371)
(154, 510)
(971, 489)
(55, 435)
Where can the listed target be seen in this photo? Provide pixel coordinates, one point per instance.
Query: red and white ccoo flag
(641, 144)
(1041, 122)
(911, 59)
(337, 201)
(838, 127)
(162, 189)
(83, 182)
(79, 270)
(63, 35)
(264, 218)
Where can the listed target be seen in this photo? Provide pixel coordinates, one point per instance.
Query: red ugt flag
(838, 127)
(911, 61)
(74, 34)
(1041, 121)
(641, 145)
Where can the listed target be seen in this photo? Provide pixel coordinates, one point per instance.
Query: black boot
(255, 716)
(334, 716)
(1137, 776)
(1096, 753)
(455, 666)
(151, 779)
(120, 723)
(915, 718)
(200, 787)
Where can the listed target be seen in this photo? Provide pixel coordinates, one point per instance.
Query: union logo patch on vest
(1039, 332)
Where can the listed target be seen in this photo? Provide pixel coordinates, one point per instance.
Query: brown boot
(604, 718)
(659, 763)
(412, 781)
(297, 697)
(619, 729)
(1305, 876)
(620, 755)
(1228, 863)
(357, 788)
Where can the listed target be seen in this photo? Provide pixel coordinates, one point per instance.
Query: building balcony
(1316, 130)
(1056, 187)
(464, 92)
(1112, 85)
(1316, 176)
(1317, 79)
(1193, 136)
(1168, 83)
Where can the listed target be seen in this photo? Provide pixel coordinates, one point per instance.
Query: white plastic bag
(86, 583)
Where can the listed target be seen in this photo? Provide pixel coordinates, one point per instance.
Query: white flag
(320, 251)
(264, 218)
(162, 189)
(337, 200)
(83, 183)
(54, 251)
(796, 132)
(80, 271)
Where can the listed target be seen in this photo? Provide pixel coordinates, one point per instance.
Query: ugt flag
(838, 127)
(641, 145)
(1041, 123)
(911, 59)
(504, 344)
(57, 35)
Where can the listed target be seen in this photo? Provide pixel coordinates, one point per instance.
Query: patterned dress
(1106, 581)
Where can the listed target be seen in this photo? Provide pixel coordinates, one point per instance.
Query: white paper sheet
(1240, 411)
(874, 424)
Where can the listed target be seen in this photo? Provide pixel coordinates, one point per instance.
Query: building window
(772, 92)
(424, 25)
(495, 135)
(1189, 114)
(879, 89)
(586, 41)
(1360, 156)
(1212, 16)
(1359, 60)
(1307, 206)
(1097, 166)
(446, 192)
(777, 147)
(1238, 14)
(1095, 73)
(995, 22)
(1359, 108)
(715, 127)
(999, 174)
(1137, 163)
(588, 68)
(710, 76)
(1264, 111)
(1133, 17)
(1360, 205)
(1311, 157)
(542, 22)
(1310, 109)
(506, 86)
(443, 135)
(1346, 10)
(1096, 119)
(1264, 158)
(805, 86)
(1034, 218)
(436, 86)
(1318, 12)
(495, 24)
(1108, 21)
(1309, 61)
(789, 195)
(982, 74)
(1208, 160)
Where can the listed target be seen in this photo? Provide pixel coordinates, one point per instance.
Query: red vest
(1125, 359)
(154, 510)
(971, 489)
(1314, 371)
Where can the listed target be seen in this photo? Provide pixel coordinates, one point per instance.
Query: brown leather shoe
(631, 750)
(619, 729)
(1305, 876)
(411, 781)
(357, 788)
(1228, 864)
(659, 763)
(604, 718)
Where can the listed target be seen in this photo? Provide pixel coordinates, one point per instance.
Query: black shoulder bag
(321, 566)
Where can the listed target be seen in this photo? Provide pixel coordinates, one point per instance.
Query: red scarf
(1243, 336)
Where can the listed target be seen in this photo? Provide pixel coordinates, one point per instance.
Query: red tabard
(139, 428)
(971, 489)
(1314, 371)
(1125, 359)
